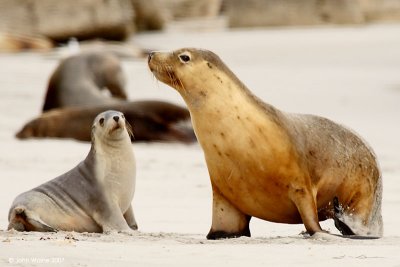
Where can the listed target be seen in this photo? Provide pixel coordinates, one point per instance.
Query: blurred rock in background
(258, 13)
(37, 24)
(150, 15)
(384, 10)
(179, 9)
(176, 14)
(61, 20)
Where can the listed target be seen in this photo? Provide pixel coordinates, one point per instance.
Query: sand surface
(350, 75)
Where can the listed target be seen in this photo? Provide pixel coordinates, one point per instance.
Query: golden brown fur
(266, 163)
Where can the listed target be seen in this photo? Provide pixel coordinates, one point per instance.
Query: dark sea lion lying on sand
(151, 121)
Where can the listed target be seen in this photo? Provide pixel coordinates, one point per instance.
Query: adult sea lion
(95, 196)
(263, 162)
(153, 121)
(79, 80)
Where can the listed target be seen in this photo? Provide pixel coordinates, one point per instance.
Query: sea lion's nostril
(150, 56)
(116, 118)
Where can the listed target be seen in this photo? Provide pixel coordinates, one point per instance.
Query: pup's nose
(116, 118)
(151, 54)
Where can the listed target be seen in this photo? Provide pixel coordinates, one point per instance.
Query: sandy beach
(348, 74)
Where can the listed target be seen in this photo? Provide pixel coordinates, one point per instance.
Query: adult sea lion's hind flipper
(346, 231)
(23, 220)
(39, 225)
(337, 217)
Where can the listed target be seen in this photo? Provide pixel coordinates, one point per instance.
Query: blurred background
(42, 24)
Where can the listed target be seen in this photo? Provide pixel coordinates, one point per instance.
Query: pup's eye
(122, 116)
(101, 121)
(184, 58)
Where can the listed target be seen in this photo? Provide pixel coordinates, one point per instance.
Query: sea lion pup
(79, 80)
(153, 120)
(273, 165)
(95, 196)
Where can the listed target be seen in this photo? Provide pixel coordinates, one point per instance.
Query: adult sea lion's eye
(184, 58)
(101, 121)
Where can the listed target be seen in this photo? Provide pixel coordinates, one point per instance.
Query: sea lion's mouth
(167, 75)
(172, 79)
(164, 72)
(116, 127)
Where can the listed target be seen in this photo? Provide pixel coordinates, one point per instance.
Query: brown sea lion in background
(79, 80)
(263, 162)
(151, 121)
